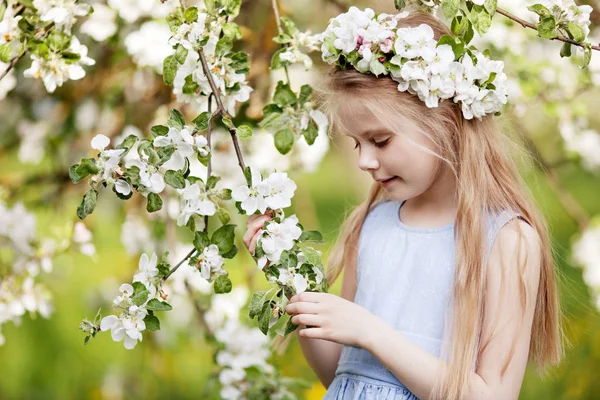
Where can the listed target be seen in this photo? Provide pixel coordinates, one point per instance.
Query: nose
(367, 161)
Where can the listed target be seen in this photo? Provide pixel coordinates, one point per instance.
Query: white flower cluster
(56, 70)
(194, 200)
(61, 12)
(278, 237)
(232, 85)
(148, 45)
(275, 192)
(301, 40)
(375, 44)
(586, 253)
(10, 31)
(108, 164)
(210, 263)
(128, 326)
(19, 293)
(185, 146)
(565, 11)
(292, 278)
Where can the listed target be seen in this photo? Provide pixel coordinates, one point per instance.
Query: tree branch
(529, 25)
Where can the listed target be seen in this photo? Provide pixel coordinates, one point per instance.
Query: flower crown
(433, 70)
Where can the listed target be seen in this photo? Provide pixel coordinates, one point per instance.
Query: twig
(38, 35)
(221, 109)
(526, 24)
(280, 30)
(191, 253)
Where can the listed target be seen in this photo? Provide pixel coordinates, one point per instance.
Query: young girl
(449, 285)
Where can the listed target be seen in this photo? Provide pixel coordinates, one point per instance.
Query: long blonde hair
(479, 157)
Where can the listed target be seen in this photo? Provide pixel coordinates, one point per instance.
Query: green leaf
(239, 62)
(6, 52)
(228, 123)
(311, 254)
(481, 19)
(212, 181)
(86, 340)
(87, 204)
(201, 121)
(305, 94)
(287, 26)
(575, 32)
(87, 166)
(223, 215)
(231, 253)
(140, 297)
(311, 236)
(152, 323)
(276, 61)
(264, 317)
(284, 140)
(224, 45)
(565, 50)
(157, 305)
(290, 327)
(222, 284)
(288, 260)
(223, 238)
(310, 133)
(399, 4)
(165, 153)
(450, 8)
(170, 65)
(244, 131)
(248, 176)
(490, 6)
(181, 54)
(159, 130)
(201, 241)
(176, 119)
(540, 10)
(232, 31)
(284, 96)
(174, 179)
(189, 86)
(191, 14)
(547, 28)
(587, 55)
(256, 303)
(175, 19)
(154, 202)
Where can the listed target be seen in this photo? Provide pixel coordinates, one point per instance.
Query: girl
(449, 285)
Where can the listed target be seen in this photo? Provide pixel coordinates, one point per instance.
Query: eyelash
(376, 144)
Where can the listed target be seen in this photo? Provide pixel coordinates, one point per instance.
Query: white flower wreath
(372, 43)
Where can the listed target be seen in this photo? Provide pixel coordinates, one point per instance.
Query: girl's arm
(323, 355)
(416, 368)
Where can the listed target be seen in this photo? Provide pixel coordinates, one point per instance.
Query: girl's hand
(254, 224)
(332, 318)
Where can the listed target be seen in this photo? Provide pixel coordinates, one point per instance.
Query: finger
(252, 246)
(312, 297)
(313, 333)
(301, 307)
(307, 319)
(254, 227)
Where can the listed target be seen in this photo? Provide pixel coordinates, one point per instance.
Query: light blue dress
(405, 277)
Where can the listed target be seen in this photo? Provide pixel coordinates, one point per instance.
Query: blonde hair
(487, 181)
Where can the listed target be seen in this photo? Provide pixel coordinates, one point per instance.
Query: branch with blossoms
(562, 21)
(205, 66)
(43, 29)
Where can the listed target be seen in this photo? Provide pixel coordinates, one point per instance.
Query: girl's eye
(356, 147)
(381, 144)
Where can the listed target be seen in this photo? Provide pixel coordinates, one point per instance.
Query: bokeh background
(44, 358)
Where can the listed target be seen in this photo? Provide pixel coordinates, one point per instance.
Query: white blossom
(101, 24)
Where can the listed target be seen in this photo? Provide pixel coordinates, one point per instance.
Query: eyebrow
(373, 132)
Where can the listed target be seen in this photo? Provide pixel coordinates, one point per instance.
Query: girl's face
(403, 169)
